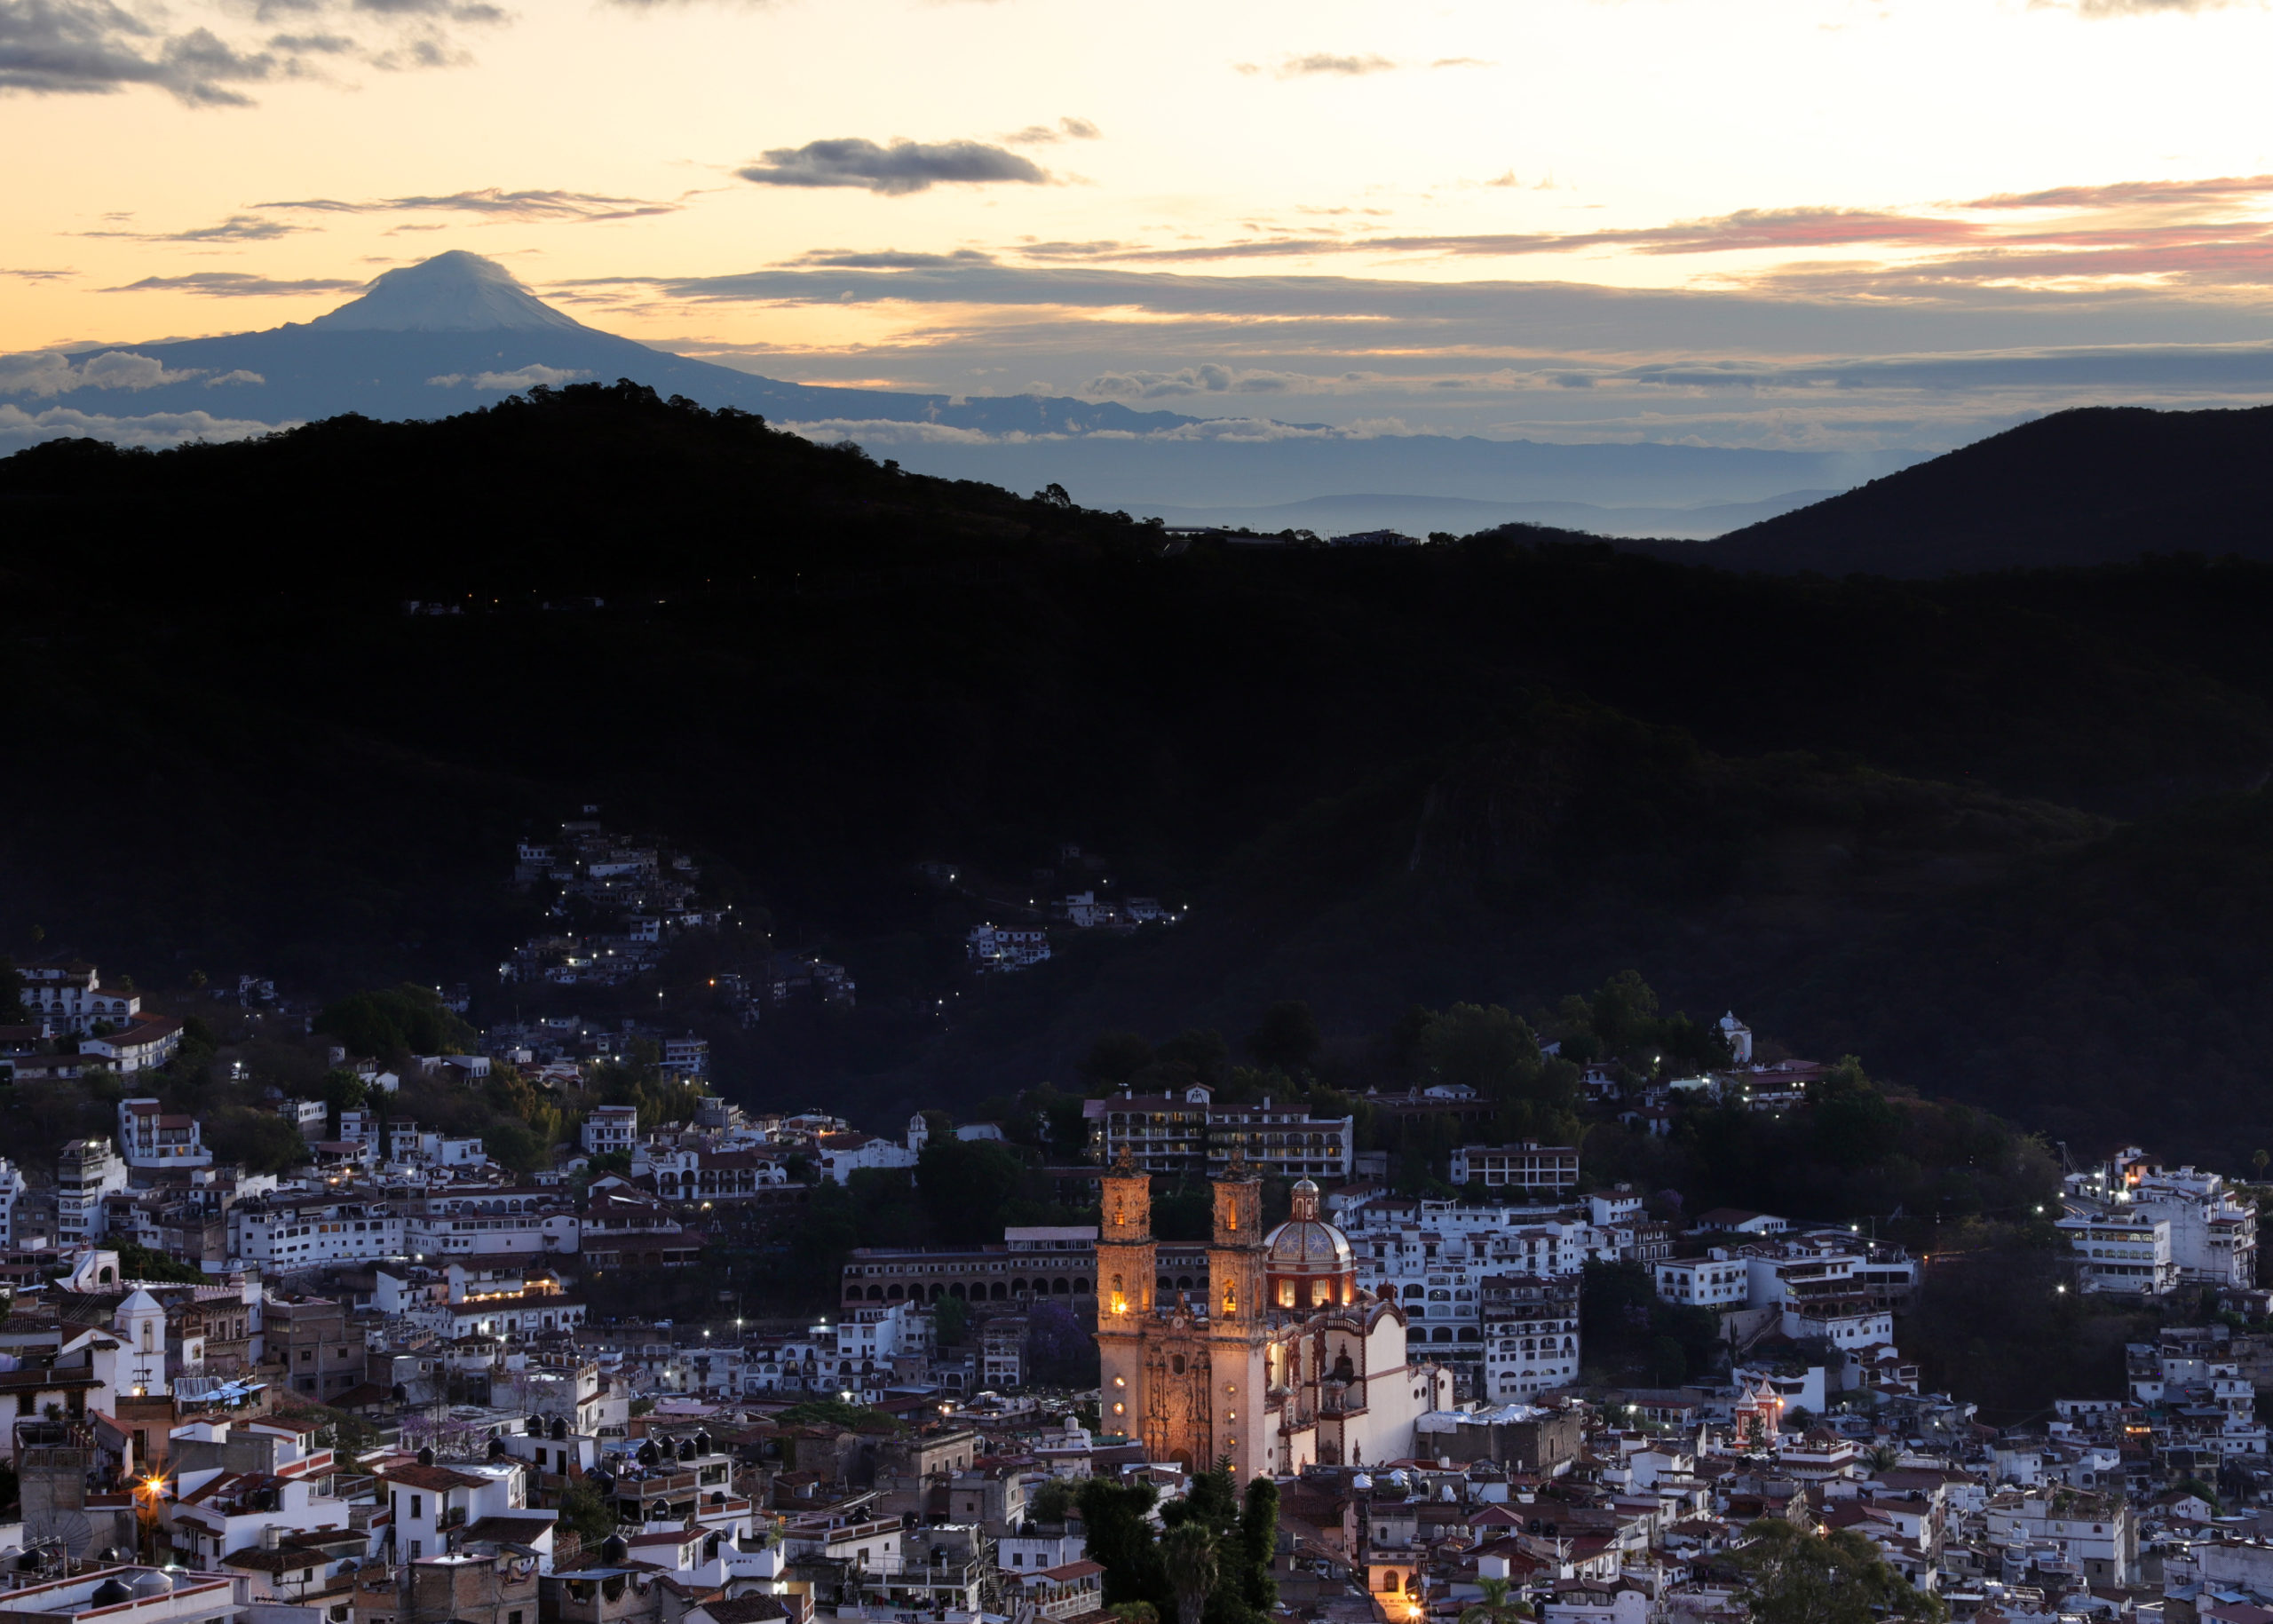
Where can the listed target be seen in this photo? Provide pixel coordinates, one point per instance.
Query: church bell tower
(1237, 1330)
(1126, 1270)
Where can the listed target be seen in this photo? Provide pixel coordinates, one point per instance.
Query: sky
(1803, 223)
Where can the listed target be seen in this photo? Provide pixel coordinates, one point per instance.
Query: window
(418, 1505)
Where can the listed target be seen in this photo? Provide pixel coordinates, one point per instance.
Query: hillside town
(372, 1388)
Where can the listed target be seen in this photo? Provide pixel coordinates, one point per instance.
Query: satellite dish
(62, 1528)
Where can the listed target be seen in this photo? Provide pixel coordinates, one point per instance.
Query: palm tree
(1495, 1608)
(1188, 1555)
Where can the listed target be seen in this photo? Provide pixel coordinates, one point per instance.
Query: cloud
(2129, 193)
(1463, 62)
(889, 259)
(19, 428)
(1342, 67)
(521, 378)
(2100, 9)
(239, 376)
(896, 171)
(95, 47)
(92, 47)
(236, 228)
(50, 372)
(495, 204)
(1064, 129)
(27, 274)
(1207, 378)
(235, 285)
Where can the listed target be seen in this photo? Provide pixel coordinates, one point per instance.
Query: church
(1284, 1360)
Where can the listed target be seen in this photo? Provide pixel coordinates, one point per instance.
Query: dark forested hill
(1994, 830)
(2080, 488)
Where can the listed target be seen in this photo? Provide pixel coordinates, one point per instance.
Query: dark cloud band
(897, 170)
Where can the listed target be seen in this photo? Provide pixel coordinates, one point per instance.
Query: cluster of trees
(1211, 1562)
(1634, 1336)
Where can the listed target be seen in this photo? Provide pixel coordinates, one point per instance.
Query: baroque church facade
(1284, 1360)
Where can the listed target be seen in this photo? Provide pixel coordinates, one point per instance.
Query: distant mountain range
(2096, 486)
(1464, 516)
(458, 330)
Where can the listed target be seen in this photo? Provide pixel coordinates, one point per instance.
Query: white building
(150, 1138)
(610, 1129)
(72, 999)
(855, 1355)
(283, 1233)
(2213, 1233)
(1737, 1036)
(844, 1154)
(88, 1170)
(1001, 947)
(1716, 1280)
(275, 1479)
(2123, 1249)
(1531, 1335)
(1528, 1165)
(427, 1503)
(11, 1186)
(489, 1221)
(687, 1056)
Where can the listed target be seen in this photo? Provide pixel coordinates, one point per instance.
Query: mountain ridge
(2096, 484)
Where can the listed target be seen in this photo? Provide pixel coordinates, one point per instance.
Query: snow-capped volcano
(456, 292)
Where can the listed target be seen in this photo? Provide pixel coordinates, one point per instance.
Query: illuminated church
(1284, 1360)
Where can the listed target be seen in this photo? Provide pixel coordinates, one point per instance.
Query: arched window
(1321, 1293)
(875, 1294)
(895, 1294)
(1001, 1293)
(1230, 1298)
(1176, 1363)
(1080, 1286)
(1414, 1293)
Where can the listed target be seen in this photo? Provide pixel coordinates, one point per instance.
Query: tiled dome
(1306, 1244)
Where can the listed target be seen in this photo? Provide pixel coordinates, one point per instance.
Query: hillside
(1914, 819)
(2096, 486)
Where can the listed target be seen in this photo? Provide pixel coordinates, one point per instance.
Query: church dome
(1305, 1242)
(1307, 1262)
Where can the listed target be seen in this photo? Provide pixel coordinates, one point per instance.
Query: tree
(264, 1142)
(137, 1262)
(1288, 1037)
(1797, 1578)
(1495, 1608)
(1485, 1047)
(950, 1315)
(1051, 1501)
(12, 1013)
(586, 1513)
(963, 1186)
(1259, 1534)
(406, 1020)
(343, 1090)
(1114, 1058)
(1120, 1540)
(1188, 1561)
